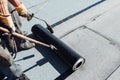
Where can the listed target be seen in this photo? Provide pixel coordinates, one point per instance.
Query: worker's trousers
(11, 72)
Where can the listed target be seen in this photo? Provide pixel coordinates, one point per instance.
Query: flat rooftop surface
(90, 27)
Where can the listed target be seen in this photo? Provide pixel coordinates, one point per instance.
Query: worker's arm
(15, 3)
(20, 8)
(4, 8)
(5, 16)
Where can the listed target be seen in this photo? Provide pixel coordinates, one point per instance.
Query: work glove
(8, 23)
(22, 11)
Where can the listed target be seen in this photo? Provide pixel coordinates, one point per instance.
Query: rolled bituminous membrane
(72, 58)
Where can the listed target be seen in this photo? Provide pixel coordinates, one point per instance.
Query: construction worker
(5, 17)
(7, 65)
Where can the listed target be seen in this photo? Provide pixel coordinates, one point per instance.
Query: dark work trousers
(11, 72)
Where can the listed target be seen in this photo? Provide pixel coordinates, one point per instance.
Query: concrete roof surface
(90, 27)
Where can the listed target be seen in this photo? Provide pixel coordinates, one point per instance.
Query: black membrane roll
(72, 58)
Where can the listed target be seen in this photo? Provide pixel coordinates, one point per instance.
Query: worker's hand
(28, 16)
(8, 23)
(22, 11)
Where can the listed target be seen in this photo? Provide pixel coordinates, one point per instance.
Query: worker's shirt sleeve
(4, 8)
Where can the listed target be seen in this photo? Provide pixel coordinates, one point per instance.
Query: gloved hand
(22, 11)
(8, 22)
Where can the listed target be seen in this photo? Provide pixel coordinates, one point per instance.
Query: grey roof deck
(90, 27)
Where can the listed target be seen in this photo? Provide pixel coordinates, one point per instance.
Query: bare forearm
(15, 3)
